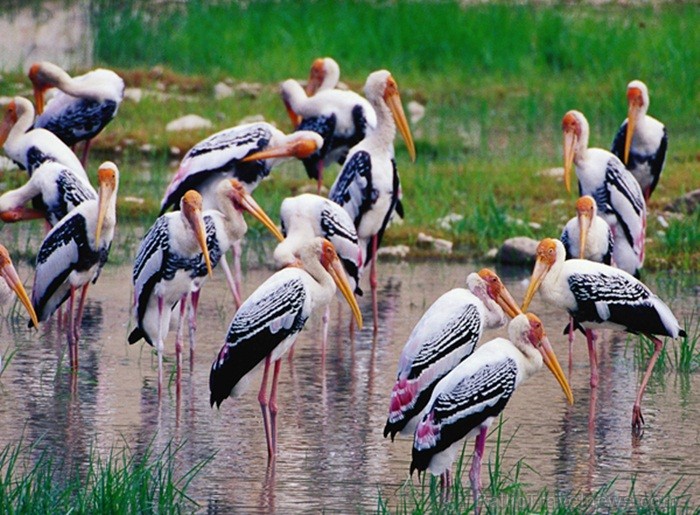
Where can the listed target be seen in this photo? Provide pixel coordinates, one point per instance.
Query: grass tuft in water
(508, 493)
(122, 482)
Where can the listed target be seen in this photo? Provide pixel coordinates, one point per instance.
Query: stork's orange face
(635, 102)
(243, 200)
(330, 261)
(571, 126)
(8, 121)
(545, 257)
(499, 293)
(585, 211)
(635, 97)
(316, 76)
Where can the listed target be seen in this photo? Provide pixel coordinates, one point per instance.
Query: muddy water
(332, 455)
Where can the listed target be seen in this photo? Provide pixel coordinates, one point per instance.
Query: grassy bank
(495, 80)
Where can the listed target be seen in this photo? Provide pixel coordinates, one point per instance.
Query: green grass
(507, 492)
(32, 481)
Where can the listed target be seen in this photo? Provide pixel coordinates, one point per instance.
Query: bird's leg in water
(262, 399)
(571, 344)
(71, 331)
(637, 418)
(159, 346)
(592, 357)
(373, 282)
(81, 308)
(194, 302)
(237, 273)
(273, 406)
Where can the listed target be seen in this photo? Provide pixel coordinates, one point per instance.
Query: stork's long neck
(531, 361)
(581, 145)
(314, 268)
(76, 88)
(235, 224)
(21, 126)
(386, 127)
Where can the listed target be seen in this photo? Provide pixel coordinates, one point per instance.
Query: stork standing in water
(224, 226)
(306, 216)
(163, 273)
(467, 401)
(73, 253)
(641, 141)
(343, 118)
(83, 106)
(445, 336)
(12, 283)
(247, 153)
(54, 190)
(598, 295)
(368, 186)
(586, 236)
(269, 321)
(617, 193)
(28, 147)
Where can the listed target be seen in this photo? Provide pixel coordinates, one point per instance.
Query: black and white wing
(275, 312)
(337, 227)
(445, 335)
(352, 189)
(470, 397)
(81, 119)
(324, 126)
(218, 154)
(624, 198)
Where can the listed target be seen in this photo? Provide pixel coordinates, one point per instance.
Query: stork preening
(445, 336)
(83, 106)
(269, 321)
(642, 140)
(343, 118)
(164, 271)
(598, 295)
(616, 192)
(586, 236)
(12, 283)
(307, 216)
(73, 253)
(467, 401)
(54, 190)
(324, 75)
(368, 186)
(28, 147)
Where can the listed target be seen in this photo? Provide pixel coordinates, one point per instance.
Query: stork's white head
(324, 74)
(489, 288)
(637, 105)
(575, 128)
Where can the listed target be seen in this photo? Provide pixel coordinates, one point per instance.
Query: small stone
(491, 254)
(688, 203)
(146, 148)
(534, 225)
(518, 251)
(253, 118)
(557, 202)
(175, 151)
(187, 123)
(662, 221)
(446, 221)
(222, 90)
(416, 111)
(397, 251)
(133, 94)
(133, 200)
(251, 89)
(438, 244)
(557, 173)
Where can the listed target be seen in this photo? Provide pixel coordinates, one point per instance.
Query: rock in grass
(222, 90)
(437, 244)
(518, 251)
(688, 203)
(397, 251)
(187, 123)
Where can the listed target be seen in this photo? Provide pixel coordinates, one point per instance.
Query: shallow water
(332, 455)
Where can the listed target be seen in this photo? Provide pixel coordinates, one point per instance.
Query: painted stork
(324, 75)
(616, 192)
(343, 118)
(73, 253)
(268, 322)
(14, 284)
(54, 190)
(306, 216)
(586, 236)
(368, 186)
(598, 295)
(83, 106)
(246, 152)
(467, 401)
(225, 226)
(641, 141)
(163, 272)
(28, 147)
(445, 336)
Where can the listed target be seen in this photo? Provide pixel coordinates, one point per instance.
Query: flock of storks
(445, 389)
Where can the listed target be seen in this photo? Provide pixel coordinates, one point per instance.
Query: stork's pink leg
(86, 150)
(273, 406)
(373, 282)
(159, 346)
(81, 308)
(592, 357)
(475, 471)
(231, 281)
(262, 399)
(72, 344)
(571, 344)
(178, 334)
(237, 273)
(194, 303)
(319, 183)
(637, 418)
(324, 331)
